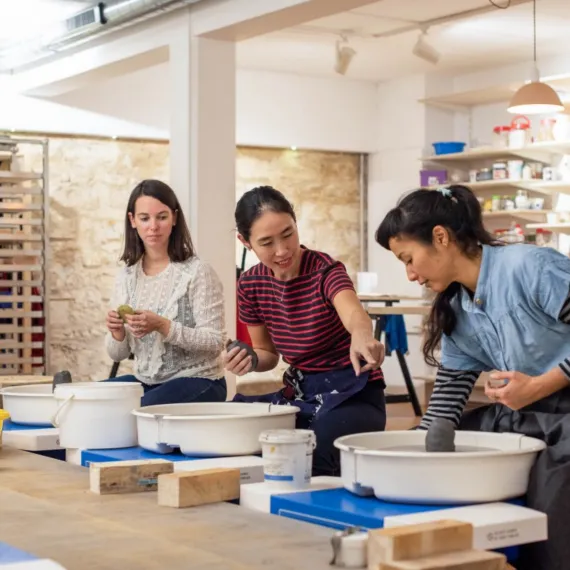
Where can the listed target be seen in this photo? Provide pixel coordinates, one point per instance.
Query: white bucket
(366, 283)
(288, 456)
(97, 415)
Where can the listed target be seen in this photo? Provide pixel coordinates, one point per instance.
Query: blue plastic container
(448, 147)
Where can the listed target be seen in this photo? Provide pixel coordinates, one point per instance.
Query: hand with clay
(115, 325)
(239, 358)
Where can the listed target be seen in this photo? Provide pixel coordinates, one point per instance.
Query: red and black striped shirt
(299, 314)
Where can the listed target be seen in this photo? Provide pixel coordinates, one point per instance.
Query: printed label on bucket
(289, 469)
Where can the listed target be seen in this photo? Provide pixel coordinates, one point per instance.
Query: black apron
(549, 483)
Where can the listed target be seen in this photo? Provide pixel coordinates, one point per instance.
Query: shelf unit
(543, 152)
(24, 340)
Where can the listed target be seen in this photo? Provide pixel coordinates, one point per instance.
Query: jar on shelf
(519, 134)
(546, 131)
(508, 203)
(521, 200)
(500, 171)
(495, 203)
(484, 174)
(501, 136)
(515, 169)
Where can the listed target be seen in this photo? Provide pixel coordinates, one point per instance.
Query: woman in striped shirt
(498, 308)
(301, 304)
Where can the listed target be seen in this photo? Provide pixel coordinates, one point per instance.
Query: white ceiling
(23, 19)
(498, 37)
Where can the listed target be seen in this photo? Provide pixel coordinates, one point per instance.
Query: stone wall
(90, 181)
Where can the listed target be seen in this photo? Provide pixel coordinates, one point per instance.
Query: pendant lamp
(535, 97)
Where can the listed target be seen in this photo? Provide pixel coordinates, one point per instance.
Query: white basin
(205, 429)
(32, 405)
(394, 466)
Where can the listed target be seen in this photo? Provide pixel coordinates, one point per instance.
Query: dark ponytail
(455, 208)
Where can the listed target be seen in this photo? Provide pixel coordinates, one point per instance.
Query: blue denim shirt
(512, 321)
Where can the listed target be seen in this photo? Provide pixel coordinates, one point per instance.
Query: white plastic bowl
(32, 405)
(204, 429)
(393, 466)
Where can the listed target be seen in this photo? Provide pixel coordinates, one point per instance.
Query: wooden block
(466, 560)
(127, 476)
(189, 489)
(409, 542)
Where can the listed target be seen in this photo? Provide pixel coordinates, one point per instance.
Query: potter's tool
(349, 548)
(247, 348)
(440, 435)
(62, 377)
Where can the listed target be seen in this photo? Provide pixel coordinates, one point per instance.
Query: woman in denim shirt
(498, 308)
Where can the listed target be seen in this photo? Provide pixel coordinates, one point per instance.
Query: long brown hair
(180, 246)
(455, 208)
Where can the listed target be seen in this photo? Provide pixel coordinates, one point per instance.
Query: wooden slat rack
(24, 306)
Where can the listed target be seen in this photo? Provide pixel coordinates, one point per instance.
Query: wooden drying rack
(23, 253)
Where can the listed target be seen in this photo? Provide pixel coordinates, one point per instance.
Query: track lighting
(424, 50)
(344, 56)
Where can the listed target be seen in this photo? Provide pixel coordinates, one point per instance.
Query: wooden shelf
(7, 222)
(13, 207)
(539, 186)
(537, 151)
(7, 176)
(560, 227)
(19, 237)
(522, 214)
(18, 190)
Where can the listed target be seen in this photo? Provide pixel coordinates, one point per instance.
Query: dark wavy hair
(256, 201)
(180, 246)
(416, 215)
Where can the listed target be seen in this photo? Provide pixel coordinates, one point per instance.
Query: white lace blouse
(190, 295)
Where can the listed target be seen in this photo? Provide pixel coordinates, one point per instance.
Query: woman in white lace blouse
(176, 333)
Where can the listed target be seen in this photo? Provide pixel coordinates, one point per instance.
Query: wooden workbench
(47, 510)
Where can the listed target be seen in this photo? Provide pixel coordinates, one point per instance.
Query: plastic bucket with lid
(288, 456)
(4, 415)
(97, 415)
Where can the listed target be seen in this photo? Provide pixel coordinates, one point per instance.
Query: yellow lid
(4, 415)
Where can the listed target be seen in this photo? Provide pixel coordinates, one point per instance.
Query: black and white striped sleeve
(564, 317)
(451, 391)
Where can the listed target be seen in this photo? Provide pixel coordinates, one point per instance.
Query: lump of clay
(62, 377)
(125, 310)
(248, 349)
(440, 435)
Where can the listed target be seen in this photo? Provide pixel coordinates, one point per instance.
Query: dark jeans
(549, 481)
(363, 412)
(179, 390)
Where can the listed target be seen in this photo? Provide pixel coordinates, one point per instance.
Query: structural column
(203, 150)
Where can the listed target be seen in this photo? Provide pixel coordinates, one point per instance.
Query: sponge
(125, 310)
(249, 350)
(440, 435)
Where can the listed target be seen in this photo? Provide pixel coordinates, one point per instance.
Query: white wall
(273, 109)
(405, 129)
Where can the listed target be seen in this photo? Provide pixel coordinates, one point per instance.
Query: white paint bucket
(366, 283)
(288, 456)
(97, 415)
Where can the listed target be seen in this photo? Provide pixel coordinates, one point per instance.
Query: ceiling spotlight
(344, 55)
(424, 50)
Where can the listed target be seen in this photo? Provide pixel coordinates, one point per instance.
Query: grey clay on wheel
(440, 436)
(249, 350)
